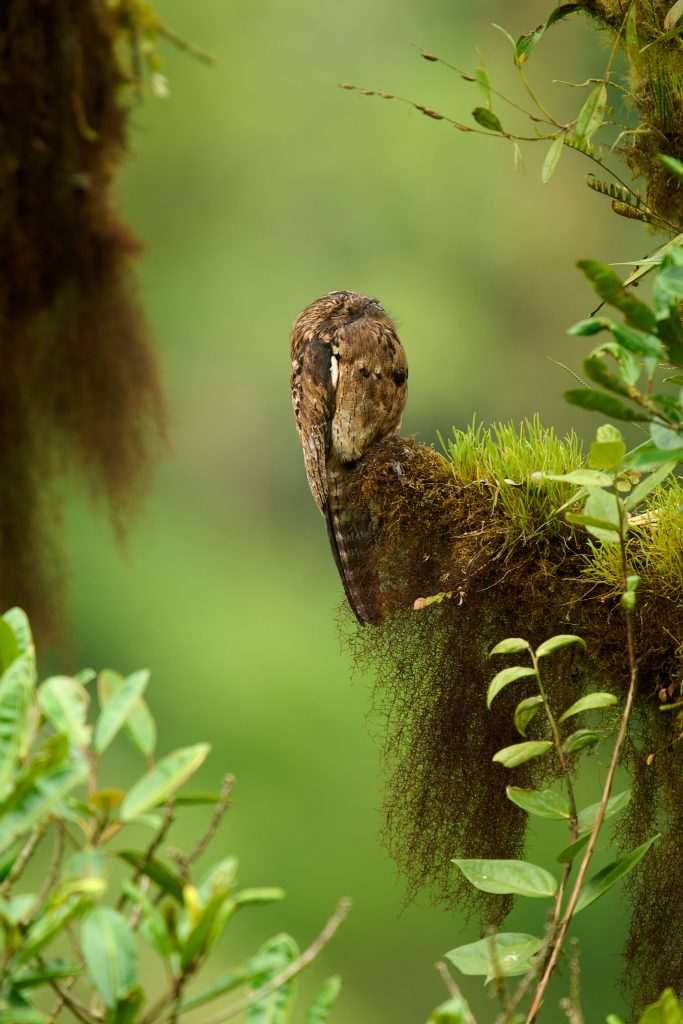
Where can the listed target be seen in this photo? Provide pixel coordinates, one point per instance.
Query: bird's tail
(351, 539)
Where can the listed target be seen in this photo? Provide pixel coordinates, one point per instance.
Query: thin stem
(291, 971)
(169, 818)
(50, 880)
(218, 815)
(609, 782)
(24, 856)
(455, 993)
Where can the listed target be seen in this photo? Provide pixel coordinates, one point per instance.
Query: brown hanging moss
(439, 532)
(79, 381)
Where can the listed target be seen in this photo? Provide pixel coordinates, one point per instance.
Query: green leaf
(487, 119)
(667, 1010)
(556, 643)
(595, 401)
(22, 1015)
(611, 534)
(665, 438)
(672, 165)
(196, 799)
(517, 877)
(606, 454)
(579, 740)
(64, 703)
(615, 804)
(258, 896)
(41, 799)
(645, 487)
(519, 753)
(504, 678)
(89, 862)
(541, 803)
(49, 970)
(110, 954)
(506, 954)
(590, 702)
(612, 1017)
(582, 477)
(18, 622)
(551, 159)
(588, 327)
(610, 288)
(605, 507)
(324, 1000)
(9, 647)
(51, 923)
(511, 645)
(525, 44)
(591, 114)
(567, 854)
(484, 85)
(676, 379)
(157, 872)
(139, 724)
(525, 711)
(116, 710)
(16, 700)
(609, 876)
(453, 1011)
(262, 963)
(163, 779)
(646, 458)
(597, 371)
(275, 1008)
(645, 345)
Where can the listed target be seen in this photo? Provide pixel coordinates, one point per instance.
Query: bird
(349, 386)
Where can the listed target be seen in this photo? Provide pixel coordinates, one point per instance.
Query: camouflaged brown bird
(349, 387)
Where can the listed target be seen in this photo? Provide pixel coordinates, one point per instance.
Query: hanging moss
(491, 540)
(80, 382)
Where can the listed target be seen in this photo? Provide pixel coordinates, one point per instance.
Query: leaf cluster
(74, 938)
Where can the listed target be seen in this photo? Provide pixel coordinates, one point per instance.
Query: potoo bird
(349, 386)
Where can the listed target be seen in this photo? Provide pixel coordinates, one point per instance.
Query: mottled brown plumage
(349, 385)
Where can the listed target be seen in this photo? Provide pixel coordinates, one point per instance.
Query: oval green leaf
(567, 854)
(507, 953)
(163, 779)
(615, 804)
(609, 876)
(596, 401)
(139, 725)
(519, 753)
(541, 803)
(579, 740)
(504, 678)
(525, 711)
(591, 114)
(515, 877)
(551, 159)
(64, 703)
(556, 643)
(591, 702)
(117, 709)
(110, 954)
(487, 119)
(511, 645)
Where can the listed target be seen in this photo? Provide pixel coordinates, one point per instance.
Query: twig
(454, 992)
(289, 972)
(79, 1009)
(221, 807)
(169, 818)
(50, 880)
(24, 857)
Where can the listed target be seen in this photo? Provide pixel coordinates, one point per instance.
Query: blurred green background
(258, 186)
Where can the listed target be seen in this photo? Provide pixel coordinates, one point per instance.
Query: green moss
(481, 527)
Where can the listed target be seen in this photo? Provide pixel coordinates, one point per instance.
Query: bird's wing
(313, 397)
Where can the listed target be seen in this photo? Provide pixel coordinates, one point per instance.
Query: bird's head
(335, 310)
